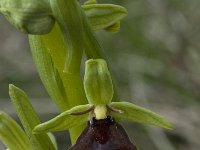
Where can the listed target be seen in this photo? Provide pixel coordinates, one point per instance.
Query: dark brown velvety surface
(103, 134)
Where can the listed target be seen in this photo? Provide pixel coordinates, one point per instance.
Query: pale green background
(156, 62)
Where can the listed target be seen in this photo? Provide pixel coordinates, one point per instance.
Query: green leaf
(97, 82)
(65, 120)
(135, 113)
(49, 53)
(102, 16)
(47, 71)
(29, 119)
(66, 90)
(56, 47)
(12, 135)
(53, 139)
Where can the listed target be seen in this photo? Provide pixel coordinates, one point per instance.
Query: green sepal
(131, 112)
(97, 82)
(29, 16)
(12, 135)
(102, 16)
(65, 120)
(29, 119)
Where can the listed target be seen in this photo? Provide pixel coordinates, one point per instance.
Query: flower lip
(103, 134)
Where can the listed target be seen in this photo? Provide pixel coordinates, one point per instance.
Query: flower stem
(67, 14)
(92, 47)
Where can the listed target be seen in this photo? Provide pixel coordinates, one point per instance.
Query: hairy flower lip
(104, 134)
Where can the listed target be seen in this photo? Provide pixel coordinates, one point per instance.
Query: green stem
(67, 14)
(65, 89)
(74, 25)
(92, 47)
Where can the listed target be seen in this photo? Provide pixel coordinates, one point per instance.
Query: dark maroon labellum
(103, 134)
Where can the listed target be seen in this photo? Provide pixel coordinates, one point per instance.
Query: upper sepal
(97, 82)
(131, 112)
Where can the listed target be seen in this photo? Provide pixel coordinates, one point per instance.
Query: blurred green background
(155, 59)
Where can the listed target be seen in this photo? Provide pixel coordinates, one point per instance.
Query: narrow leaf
(49, 53)
(65, 120)
(29, 119)
(66, 90)
(53, 139)
(47, 71)
(102, 16)
(135, 113)
(12, 135)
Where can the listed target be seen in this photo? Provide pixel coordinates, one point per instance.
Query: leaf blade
(29, 119)
(47, 71)
(12, 135)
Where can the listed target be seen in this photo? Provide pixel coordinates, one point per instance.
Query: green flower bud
(97, 82)
(29, 16)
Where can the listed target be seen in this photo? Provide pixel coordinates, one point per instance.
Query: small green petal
(65, 120)
(135, 113)
(12, 135)
(97, 82)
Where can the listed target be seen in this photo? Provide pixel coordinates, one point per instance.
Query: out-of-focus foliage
(155, 59)
(158, 44)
